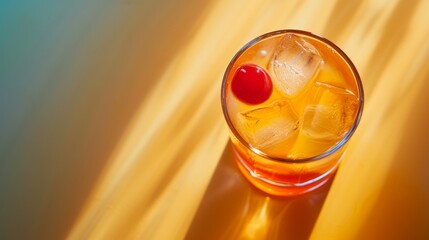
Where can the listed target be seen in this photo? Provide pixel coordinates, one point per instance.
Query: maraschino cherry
(251, 84)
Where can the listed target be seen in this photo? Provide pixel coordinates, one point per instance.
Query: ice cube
(330, 114)
(294, 64)
(321, 122)
(269, 125)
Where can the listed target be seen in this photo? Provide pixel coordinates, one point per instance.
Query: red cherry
(251, 84)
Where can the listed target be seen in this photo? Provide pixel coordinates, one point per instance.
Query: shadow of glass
(232, 208)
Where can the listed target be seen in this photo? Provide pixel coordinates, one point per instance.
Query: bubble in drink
(330, 114)
(294, 64)
(269, 125)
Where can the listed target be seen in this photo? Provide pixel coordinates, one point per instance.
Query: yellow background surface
(111, 125)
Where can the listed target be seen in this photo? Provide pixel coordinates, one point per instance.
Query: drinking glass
(292, 100)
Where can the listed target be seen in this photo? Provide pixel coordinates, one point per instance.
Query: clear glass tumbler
(292, 100)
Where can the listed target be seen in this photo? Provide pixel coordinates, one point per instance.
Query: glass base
(272, 189)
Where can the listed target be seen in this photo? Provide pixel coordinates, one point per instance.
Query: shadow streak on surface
(233, 209)
(344, 12)
(394, 32)
(403, 200)
(90, 86)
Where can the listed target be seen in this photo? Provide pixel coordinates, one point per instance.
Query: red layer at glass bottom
(281, 190)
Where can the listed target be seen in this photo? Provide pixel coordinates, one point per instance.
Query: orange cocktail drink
(292, 101)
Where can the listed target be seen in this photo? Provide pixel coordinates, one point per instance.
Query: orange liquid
(281, 178)
(313, 121)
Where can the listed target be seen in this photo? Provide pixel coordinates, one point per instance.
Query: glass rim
(328, 152)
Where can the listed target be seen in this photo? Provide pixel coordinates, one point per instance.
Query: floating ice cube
(294, 64)
(269, 125)
(331, 112)
(321, 122)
